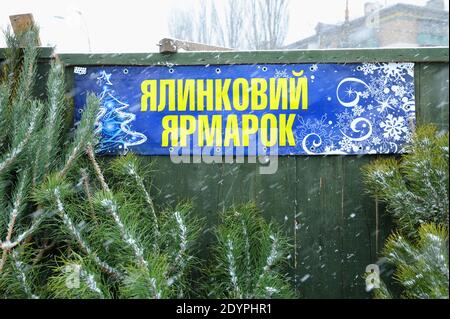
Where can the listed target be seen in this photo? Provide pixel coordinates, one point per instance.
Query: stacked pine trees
(74, 226)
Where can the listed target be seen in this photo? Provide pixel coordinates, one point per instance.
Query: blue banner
(290, 109)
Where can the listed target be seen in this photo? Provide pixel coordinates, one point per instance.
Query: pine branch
(22, 276)
(9, 245)
(98, 171)
(48, 144)
(232, 270)
(147, 283)
(77, 278)
(5, 121)
(110, 205)
(12, 155)
(76, 234)
(15, 211)
(128, 165)
(84, 134)
(248, 259)
(87, 191)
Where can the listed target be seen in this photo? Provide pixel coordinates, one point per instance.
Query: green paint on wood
(251, 57)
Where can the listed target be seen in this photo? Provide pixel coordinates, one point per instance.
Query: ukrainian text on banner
(307, 109)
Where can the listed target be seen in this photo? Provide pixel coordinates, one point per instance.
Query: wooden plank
(359, 227)
(238, 184)
(437, 54)
(432, 94)
(44, 54)
(275, 194)
(318, 233)
(168, 45)
(173, 183)
(22, 22)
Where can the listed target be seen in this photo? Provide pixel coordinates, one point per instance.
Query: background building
(399, 25)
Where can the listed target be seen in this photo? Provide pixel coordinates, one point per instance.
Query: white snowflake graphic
(329, 148)
(376, 140)
(281, 74)
(365, 94)
(384, 105)
(396, 71)
(408, 137)
(358, 110)
(377, 88)
(393, 127)
(314, 68)
(344, 119)
(398, 90)
(367, 68)
(346, 144)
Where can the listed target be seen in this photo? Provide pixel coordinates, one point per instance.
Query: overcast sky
(138, 25)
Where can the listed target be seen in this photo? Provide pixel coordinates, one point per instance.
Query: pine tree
(415, 190)
(31, 146)
(75, 226)
(249, 257)
(422, 265)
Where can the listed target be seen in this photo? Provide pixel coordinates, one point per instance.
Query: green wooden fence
(336, 228)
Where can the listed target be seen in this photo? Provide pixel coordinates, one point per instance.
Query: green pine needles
(115, 235)
(421, 265)
(415, 190)
(249, 258)
(31, 144)
(74, 226)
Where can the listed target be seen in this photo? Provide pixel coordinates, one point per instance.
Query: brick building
(399, 25)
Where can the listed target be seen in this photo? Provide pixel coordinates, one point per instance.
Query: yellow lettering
(203, 93)
(249, 126)
(278, 91)
(187, 127)
(148, 89)
(286, 129)
(269, 132)
(170, 127)
(210, 133)
(186, 94)
(166, 92)
(259, 95)
(240, 101)
(222, 97)
(297, 91)
(231, 131)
